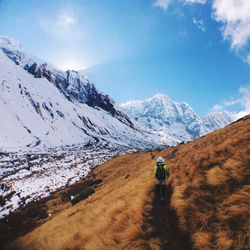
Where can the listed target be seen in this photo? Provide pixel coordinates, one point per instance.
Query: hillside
(209, 183)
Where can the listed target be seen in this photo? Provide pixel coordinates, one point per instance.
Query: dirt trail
(164, 221)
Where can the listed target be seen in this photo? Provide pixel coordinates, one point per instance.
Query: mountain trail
(162, 218)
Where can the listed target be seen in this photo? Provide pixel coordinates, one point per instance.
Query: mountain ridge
(175, 119)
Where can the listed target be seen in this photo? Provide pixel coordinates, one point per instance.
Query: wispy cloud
(162, 3)
(232, 14)
(196, 1)
(217, 108)
(58, 25)
(199, 24)
(235, 19)
(184, 34)
(65, 19)
(243, 101)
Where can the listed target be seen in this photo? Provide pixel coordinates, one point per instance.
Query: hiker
(161, 174)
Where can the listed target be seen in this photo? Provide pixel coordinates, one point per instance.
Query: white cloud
(65, 19)
(58, 25)
(162, 3)
(232, 102)
(243, 101)
(235, 17)
(199, 24)
(217, 108)
(196, 1)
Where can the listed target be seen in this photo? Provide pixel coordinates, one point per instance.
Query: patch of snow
(56, 169)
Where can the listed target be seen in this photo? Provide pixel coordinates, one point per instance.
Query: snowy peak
(15, 51)
(9, 44)
(68, 101)
(169, 109)
(160, 107)
(160, 98)
(177, 120)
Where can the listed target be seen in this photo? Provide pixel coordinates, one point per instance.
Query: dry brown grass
(211, 178)
(109, 219)
(210, 181)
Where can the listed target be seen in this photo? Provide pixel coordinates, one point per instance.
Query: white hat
(160, 159)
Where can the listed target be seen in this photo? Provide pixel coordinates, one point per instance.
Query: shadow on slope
(161, 223)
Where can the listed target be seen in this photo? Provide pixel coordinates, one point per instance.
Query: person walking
(161, 173)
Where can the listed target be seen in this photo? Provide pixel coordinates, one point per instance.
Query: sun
(68, 65)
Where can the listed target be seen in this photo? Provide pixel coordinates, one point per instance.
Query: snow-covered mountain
(218, 120)
(41, 105)
(177, 120)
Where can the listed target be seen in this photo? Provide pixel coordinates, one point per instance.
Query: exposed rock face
(77, 87)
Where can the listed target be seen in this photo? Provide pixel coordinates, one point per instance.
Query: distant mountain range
(177, 120)
(42, 106)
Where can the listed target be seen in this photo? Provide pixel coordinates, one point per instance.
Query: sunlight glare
(68, 65)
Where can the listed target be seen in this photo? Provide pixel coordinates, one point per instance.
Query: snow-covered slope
(218, 120)
(177, 120)
(41, 105)
(15, 52)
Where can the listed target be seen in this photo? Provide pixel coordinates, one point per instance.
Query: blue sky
(197, 51)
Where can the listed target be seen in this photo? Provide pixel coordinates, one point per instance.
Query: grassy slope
(109, 218)
(210, 181)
